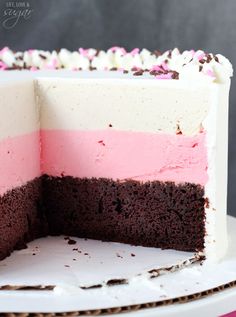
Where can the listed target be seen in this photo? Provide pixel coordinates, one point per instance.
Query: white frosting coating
(189, 65)
(216, 125)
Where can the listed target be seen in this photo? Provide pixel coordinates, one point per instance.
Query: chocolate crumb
(66, 238)
(33, 253)
(101, 142)
(138, 73)
(209, 58)
(175, 75)
(66, 265)
(110, 125)
(125, 71)
(70, 241)
(86, 253)
(75, 249)
(132, 254)
(74, 259)
(216, 59)
(113, 68)
(119, 256)
(207, 203)
(202, 61)
(42, 56)
(157, 53)
(200, 68)
(178, 131)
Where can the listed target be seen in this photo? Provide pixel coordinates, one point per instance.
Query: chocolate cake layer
(153, 214)
(21, 217)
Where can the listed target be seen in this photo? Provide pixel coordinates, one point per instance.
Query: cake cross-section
(125, 147)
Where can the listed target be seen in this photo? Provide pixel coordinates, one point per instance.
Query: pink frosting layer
(125, 155)
(19, 160)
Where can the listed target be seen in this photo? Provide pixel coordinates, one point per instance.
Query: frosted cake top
(171, 64)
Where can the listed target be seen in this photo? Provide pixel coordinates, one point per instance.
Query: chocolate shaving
(157, 53)
(175, 75)
(138, 73)
(42, 56)
(200, 68)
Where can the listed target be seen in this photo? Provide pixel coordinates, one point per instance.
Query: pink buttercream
(19, 160)
(125, 155)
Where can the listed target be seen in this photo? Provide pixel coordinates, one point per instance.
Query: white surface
(141, 289)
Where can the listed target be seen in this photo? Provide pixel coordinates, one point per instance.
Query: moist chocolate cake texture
(151, 214)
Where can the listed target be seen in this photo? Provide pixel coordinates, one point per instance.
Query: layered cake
(119, 146)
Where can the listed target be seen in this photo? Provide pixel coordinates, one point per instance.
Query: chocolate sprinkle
(138, 73)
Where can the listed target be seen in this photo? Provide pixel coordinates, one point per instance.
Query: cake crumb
(71, 241)
(101, 142)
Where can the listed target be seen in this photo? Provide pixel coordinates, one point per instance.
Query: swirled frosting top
(172, 64)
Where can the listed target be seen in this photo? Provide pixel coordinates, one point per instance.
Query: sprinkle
(210, 73)
(164, 76)
(157, 53)
(138, 73)
(134, 51)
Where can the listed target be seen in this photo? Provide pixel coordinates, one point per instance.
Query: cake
(119, 146)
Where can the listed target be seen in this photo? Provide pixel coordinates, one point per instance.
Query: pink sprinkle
(3, 66)
(4, 49)
(83, 51)
(157, 68)
(192, 52)
(117, 48)
(52, 65)
(33, 69)
(164, 76)
(31, 51)
(210, 73)
(134, 51)
(164, 66)
(200, 56)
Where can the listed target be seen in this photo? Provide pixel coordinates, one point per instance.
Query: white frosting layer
(18, 112)
(143, 105)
